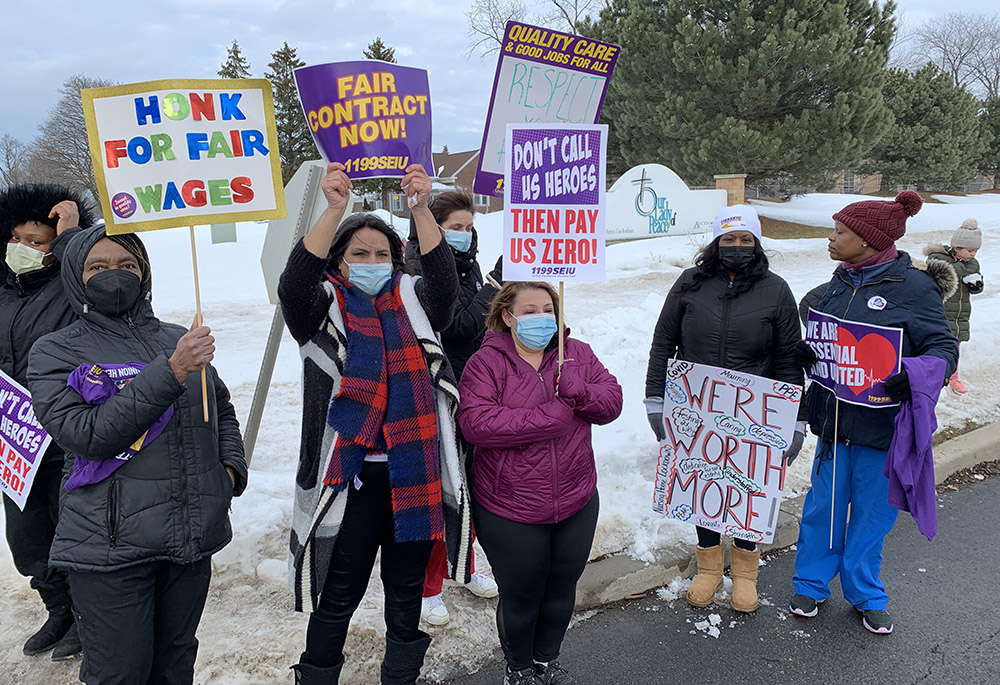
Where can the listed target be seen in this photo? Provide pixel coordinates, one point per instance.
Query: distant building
(457, 171)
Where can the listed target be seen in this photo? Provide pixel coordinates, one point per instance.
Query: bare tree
(487, 19)
(964, 46)
(14, 156)
(60, 153)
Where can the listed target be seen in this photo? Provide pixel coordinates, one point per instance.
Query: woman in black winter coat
(728, 311)
(36, 223)
(454, 213)
(147, 490)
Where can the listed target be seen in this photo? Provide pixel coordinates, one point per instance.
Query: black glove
(656, 423)
(804, 355)
(898, 387)
(794, 447)
(497, 273)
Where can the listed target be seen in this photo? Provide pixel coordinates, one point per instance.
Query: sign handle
(833, 480)
(199, 320)
(562, 302)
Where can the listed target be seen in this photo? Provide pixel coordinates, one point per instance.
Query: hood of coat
(72, 274)
(937, 248)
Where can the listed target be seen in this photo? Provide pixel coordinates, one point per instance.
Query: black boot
(54, 629)
(69, 647)
(403, 660)
(307, 674)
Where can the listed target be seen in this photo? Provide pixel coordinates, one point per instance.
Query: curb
(619, 576)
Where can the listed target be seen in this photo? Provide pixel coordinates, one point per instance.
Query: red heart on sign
(873, 354)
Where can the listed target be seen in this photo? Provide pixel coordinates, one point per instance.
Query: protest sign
(721, 465)
(854, 358)
(554, 203)
(184, 152)
(373, 117)
(543, 76)
(23, 441)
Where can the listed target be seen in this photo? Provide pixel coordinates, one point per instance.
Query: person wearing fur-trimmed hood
(874, 284)
(961, 255)
(379, 467)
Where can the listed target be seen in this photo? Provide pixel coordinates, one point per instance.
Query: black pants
(536, 567)
(30, 533)
(138, 625)
(367, 526)
(710, 538)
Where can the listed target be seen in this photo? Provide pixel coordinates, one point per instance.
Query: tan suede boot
(709, 579)
(744, 572)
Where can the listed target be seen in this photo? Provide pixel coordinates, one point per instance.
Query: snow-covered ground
(250, 634)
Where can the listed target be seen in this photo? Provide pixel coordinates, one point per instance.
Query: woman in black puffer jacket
(728, 311)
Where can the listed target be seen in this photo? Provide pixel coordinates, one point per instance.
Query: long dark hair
(709, 265)
(352, 225)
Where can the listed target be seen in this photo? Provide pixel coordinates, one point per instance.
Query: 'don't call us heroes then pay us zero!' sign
(183, 152)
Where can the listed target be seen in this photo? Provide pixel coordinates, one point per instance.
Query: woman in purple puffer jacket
(534, 487)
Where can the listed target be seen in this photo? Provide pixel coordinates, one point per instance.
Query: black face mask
(736, 258)
(113, 292)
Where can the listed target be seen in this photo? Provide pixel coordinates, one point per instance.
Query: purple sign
(542, 76)
(22, 441)
(373, 117)
(854, 358)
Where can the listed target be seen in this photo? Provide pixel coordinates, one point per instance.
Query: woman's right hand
(804, 355)
(336, 187)
(194, 351)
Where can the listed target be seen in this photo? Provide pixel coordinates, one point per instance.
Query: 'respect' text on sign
(542, 76)
(371, 116)
(182, 152)
(23, 441)
(554, 216)
(722, 465)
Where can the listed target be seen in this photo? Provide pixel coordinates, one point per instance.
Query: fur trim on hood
(942, 273)
(936, 247)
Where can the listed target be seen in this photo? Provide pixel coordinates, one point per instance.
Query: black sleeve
(438, 288)
(787, 333)
(304, 302)
(59, 243)
(811, 300)
(231, 452)
(470, 315)
(666, 339)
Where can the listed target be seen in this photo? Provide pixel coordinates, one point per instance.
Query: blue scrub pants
(857, 544)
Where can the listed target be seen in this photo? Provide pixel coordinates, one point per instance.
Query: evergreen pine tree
(380, 51)
(294, 139)
(770, 88)
(236, 65)
(989, 121)
(382, 187)
(936, 141)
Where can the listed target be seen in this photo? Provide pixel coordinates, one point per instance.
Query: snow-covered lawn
(250, 634)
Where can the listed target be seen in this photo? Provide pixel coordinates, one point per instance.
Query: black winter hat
(26, 202)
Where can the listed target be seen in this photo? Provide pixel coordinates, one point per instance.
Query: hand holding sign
(68, 213)
(194, 351)
(417, 186)
(336, 187)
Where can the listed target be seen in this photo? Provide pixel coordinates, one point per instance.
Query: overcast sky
(42, 42)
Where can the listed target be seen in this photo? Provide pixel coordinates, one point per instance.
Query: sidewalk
(616, 577)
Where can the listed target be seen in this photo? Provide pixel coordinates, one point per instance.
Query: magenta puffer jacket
(534, 462)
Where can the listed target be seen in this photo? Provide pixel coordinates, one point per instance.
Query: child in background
(965, 243)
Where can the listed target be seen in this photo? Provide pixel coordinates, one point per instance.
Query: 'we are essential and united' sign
(185, 151)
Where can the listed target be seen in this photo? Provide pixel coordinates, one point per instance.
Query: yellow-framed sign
(182, 152)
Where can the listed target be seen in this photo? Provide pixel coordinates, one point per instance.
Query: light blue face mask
(460, 240)
(535, 330)
(371, 278)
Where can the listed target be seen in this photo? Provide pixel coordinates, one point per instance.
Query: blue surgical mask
(371, 278)
(460, 240)
(535, 330)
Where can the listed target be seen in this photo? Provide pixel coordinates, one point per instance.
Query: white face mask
(23, 259)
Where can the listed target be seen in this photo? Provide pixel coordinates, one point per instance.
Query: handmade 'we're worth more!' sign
(183, 152)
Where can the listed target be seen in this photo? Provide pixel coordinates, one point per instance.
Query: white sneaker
(481, 585)
(433, 610)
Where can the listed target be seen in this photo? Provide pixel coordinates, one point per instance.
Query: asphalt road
(945, 597)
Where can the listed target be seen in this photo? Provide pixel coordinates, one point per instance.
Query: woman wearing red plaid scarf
(378, 461)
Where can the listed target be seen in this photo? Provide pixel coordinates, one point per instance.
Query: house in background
(457, 171)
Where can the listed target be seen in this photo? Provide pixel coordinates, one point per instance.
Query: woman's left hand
(68, 213)
(569, 384)
(232, 475)
(417, 186)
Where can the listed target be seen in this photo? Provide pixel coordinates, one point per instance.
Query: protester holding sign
(534, 477)
(454, 212)
(729, 311)
(379, 465)
(143, 511)
(36, 223)
(874, 284)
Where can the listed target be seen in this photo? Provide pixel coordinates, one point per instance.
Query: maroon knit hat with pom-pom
(880, 223)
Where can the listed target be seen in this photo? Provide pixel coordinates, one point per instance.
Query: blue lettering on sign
(662, 217)
(649, 204)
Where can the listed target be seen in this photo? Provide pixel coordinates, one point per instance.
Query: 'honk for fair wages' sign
(554, 203)
(183, 152)
(722, 464)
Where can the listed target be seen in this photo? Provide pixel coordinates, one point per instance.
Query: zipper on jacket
(113, 495)
(552, 460)
(723, 339)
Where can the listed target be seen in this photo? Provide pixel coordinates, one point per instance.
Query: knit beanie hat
(968, 235)
(737, 218)
(880, 223)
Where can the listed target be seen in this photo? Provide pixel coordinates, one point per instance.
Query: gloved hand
(570, 384)
(804, 355)
(654, 414)
(796, 445)
(973, 279)
(898, 387)
(497, 273)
